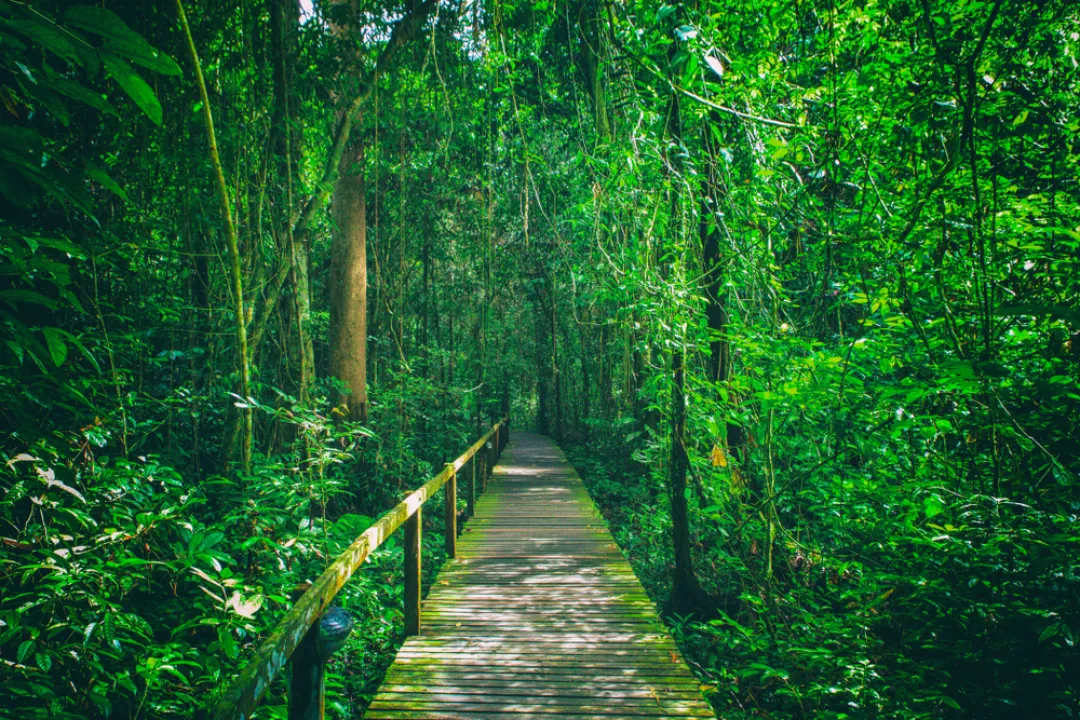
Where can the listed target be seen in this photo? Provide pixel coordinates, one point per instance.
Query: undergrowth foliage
(139, 568)
(146, 591)
(889, 603)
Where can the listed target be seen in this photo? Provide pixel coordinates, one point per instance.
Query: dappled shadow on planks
(540, 616)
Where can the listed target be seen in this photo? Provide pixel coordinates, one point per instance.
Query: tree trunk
(685, 591)
(586, 359)
(556, 398)
(348, 287)
(716, 313)
(605, 371)
(235, 275)
(592, 55)
(284, 22)
(715, 310)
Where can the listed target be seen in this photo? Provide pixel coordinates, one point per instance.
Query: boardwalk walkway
(539, 617)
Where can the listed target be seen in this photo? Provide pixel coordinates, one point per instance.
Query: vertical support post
(307, 683)
(470, 493)
(451, 513)
(412, 573)
(483, 468)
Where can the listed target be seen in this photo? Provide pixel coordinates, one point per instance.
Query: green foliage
(856, 222)
(883, 481)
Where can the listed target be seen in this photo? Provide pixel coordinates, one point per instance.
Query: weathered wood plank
(517, 715)
(664, 708)
(570, 686)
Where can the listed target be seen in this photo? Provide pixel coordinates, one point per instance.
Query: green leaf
(16, 349)
(78, 92)
(57, 347)
(933, 507)
(135, 87)
(211, 539)
(106, 182)
(120, 39)
(23, 142)
(16, 297)
(228, 644)
(46, 35)
(101, 22)
(24, 650)
(143, 54)
(950, 702)
(44, 661)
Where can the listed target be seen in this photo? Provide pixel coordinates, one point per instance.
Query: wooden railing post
(482, 454)
(451, 513)
(470, 492)
(307, 682)
(307, 685)
(412, 573)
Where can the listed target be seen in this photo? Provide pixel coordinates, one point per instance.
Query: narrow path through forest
(539, 615)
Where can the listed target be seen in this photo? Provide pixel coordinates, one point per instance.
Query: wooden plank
(623, 675)
(455, 714)
(550, 685)
(658, 709)
(539, 616)
(643, 705)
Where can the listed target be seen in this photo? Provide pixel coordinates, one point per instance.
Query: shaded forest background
(794, 283)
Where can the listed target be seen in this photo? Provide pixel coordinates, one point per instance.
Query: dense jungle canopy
(795, 284)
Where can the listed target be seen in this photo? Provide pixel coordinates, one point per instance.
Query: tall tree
(232, 244)
(348, 286)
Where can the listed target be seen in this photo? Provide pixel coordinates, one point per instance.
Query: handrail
(297, 627)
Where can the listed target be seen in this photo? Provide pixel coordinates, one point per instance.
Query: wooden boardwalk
(539, 616)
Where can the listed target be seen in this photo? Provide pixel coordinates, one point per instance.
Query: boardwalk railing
(296, 636)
